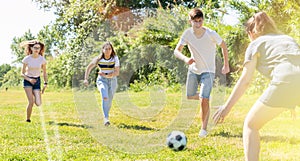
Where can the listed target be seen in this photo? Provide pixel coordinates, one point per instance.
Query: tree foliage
(4, 68)
(12, 78)
(144, 34)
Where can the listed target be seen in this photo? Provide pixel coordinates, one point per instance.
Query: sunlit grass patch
(69, 137)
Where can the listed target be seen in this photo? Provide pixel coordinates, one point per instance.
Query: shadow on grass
(227, 134)
(69, 124)
(282, 139)
(135, 127)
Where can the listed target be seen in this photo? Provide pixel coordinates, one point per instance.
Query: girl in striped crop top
(109, 67)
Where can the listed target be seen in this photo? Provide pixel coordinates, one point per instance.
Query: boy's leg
(257, 117)
(192, 84)
(205, 111)
(206, 80)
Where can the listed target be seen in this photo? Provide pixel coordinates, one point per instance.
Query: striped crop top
(108, 65)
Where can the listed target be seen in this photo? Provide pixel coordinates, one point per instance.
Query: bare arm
(45, 77)
(45, 73)
(88, 70)
(238, 90)
(178, 54)
(117, 71)
(23, 71)
(225, 68)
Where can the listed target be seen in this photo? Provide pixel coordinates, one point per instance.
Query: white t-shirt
(202, 49)
(108, 65)
(34, 65)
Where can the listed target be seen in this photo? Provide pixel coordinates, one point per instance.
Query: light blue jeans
(107, 87)
(205, 80)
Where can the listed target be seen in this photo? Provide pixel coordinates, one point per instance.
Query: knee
(204, 100)
(190, 97)
(250, 125)
(30, 103)
(195, 97)
(38, 103)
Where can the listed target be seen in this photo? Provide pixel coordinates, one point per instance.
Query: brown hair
(261, 24)
(28, 44)
(195, 13)
(113, 53)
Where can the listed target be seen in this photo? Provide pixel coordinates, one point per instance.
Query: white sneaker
(106, 122)
(202, 133)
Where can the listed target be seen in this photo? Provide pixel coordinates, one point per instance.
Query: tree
(12, 78)
(4, 68)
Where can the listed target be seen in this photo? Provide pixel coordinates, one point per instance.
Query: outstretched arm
(238, 90)
(88, 70)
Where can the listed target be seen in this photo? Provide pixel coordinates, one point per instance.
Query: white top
(34, 65)
(108, 65)
(202, 49)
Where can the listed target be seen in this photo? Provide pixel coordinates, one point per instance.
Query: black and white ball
(176, 140)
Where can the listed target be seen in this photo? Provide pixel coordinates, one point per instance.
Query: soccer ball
(176, 140)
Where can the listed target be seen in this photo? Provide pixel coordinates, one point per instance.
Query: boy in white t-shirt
(201, 43)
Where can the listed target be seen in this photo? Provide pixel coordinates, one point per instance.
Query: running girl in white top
(33, 63)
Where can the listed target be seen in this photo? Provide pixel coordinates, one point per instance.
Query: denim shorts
(205, 80)
(36, 86)
(284, 89)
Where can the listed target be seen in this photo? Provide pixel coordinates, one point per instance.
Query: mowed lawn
(68, 126)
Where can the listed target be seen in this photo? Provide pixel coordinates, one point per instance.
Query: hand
(86, 82)
(101, 74)
(225, 69)
(32, 81)
(189, 61)
(44, 88)
(32, 42)
(220, 114)
(110, 75)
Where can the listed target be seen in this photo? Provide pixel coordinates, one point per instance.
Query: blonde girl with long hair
(276, 56)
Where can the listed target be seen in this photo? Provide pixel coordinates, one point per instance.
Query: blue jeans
(205, 80)
(107, 87)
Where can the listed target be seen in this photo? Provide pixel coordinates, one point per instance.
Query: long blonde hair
(261, 24)
(28, 44)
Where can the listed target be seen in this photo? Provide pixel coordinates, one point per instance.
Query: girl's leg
(257, 117)
(103, 88)
(111, 92)
(37, 96)
(29, 94)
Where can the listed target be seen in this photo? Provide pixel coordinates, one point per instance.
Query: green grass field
(68, 126)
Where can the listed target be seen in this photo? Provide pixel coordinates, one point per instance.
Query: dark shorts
(36, 86)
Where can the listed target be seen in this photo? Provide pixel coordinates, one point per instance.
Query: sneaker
(106, 122)
(28, 120)
(202, 133)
